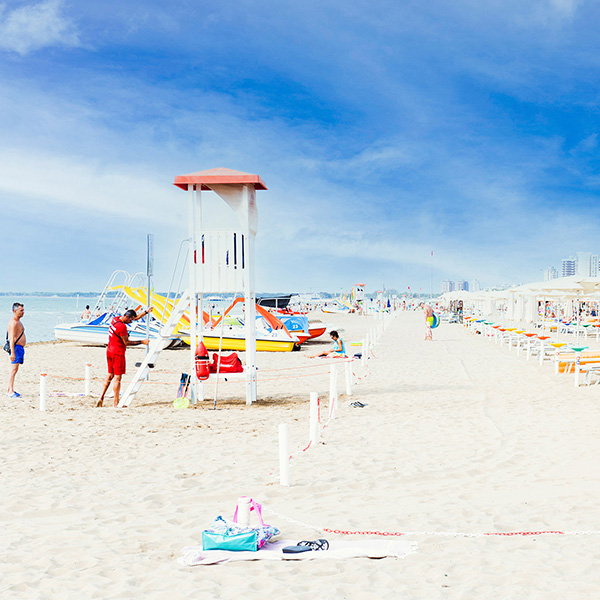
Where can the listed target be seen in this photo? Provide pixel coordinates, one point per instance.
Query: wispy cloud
(381, 134)
(35, 26)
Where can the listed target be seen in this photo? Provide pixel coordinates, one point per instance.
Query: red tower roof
(220, 175)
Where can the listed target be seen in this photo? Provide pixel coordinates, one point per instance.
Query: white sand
(458, 435)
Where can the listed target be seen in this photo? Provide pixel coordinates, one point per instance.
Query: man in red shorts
(118, 340)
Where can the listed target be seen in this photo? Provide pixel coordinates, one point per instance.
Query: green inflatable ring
(182, 402)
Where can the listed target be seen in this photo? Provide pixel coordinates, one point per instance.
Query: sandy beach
(457, 436)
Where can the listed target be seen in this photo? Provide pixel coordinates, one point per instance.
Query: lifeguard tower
(220, 261)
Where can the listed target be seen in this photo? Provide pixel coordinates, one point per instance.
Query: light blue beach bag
(229, 535)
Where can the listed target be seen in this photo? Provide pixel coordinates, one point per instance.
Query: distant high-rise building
(550, 273)
(474, 285)
(569, 266)
(462, 285)
(587, 264)
(447, 286)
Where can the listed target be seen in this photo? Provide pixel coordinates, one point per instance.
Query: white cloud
(35, 26)
(587, 145)
(93, 185)
(564, 8)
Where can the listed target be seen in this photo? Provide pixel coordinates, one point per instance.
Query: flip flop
(358, 405)
(306, 546)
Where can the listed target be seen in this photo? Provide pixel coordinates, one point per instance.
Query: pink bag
(265, 532)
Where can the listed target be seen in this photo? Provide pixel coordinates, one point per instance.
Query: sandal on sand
(305, 546)
(358, 405)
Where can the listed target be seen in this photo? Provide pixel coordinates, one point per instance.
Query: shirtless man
(87, 313)
(17, 341)
(118, 340)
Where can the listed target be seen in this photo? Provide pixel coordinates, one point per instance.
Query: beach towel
(338, 550)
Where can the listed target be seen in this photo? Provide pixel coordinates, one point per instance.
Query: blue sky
(383, 130)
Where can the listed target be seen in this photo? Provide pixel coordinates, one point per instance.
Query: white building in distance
(586, 264)
(569, 266)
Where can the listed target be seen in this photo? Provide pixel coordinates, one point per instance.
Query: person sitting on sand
(338, 350)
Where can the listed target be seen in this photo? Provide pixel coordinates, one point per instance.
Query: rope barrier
(222, 374)
(359, 378)
(429, 533)
(65, 377)
(293, 368)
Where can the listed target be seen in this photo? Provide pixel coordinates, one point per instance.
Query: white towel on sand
(194, 555)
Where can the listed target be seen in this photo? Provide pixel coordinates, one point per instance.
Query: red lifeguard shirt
(117, 328)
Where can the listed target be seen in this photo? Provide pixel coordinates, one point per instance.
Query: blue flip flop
(306, 546)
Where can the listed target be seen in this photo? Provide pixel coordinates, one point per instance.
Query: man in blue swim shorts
(16, 339)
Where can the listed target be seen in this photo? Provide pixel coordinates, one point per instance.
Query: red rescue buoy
(202, 362)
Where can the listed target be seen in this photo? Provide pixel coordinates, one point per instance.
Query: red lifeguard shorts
(116, 363)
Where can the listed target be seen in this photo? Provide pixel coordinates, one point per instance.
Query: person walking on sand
(15, 335)
(338, 350)
(428, 312)
(118, 340)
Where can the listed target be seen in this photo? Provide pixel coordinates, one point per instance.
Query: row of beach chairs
(566, 358)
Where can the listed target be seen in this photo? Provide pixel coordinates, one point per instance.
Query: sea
(42, 313)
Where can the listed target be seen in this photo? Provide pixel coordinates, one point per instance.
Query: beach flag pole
(149, 274)
(431, 276)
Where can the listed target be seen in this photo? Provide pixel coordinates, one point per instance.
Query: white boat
(98, 334)
(95, 329)
(335, 307)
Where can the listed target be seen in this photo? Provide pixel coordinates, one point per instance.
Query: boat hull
(315, 332)
(239, 344)
(96, 335)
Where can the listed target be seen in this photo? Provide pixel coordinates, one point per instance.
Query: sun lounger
(567, 360)
(592, 371)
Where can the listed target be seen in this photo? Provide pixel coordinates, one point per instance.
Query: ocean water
(42, 313)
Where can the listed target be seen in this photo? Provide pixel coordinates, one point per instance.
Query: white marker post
(348, 373)
(363, 354)
(284, 455)
(313, 430)
(88, 380)
(43, 391)
(332, 390)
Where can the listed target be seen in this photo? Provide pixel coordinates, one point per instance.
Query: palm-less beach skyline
(383, 131)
